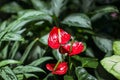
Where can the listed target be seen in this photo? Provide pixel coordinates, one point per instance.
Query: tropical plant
(59, 40)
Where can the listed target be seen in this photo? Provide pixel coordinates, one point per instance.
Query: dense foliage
(59, 40)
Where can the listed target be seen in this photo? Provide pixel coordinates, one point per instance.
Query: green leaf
(16, 25)
(27, 69)
(14, 49)
(102, 11)
(112, 65)
(57, 6)
(39, 23)
(57, 55)
(25, 54)
(7, 35)
(67, 77)
(116, 47)
(2, 34)
(6, 62)
(4, 51)
(7, 74)
(30, 75)
(82, 74)
(107, 9)
(32, 15)
(11, 7)
(78, 20)
(26, 17)
(3, 26)
(20, 76)
(89, 52)
(37, 52)
(12, 36)
(87, 5)
(13, 30)
(87, 62)
(104, 44)
(44, 39)
(39, 4)
(40, 61)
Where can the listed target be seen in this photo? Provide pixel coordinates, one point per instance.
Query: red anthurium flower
(60, 70)
(57, 37)
(72, 49)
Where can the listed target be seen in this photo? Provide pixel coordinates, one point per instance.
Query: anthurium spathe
(61, 68)
(57, 37)
(72, 48)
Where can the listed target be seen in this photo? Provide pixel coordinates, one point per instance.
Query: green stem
(69, 64)
(69, 59)
(71, 45)
(56, 65)
(56, 20)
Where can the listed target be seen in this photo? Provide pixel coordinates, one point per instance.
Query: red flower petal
(60, 70)
(53, 41)
(58, 36)
(65, 37)
(77, 48)
(50, 67)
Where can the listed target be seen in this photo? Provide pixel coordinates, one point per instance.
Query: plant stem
(69, 64)
(71, 45)
(56, 21)
(56, 65)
